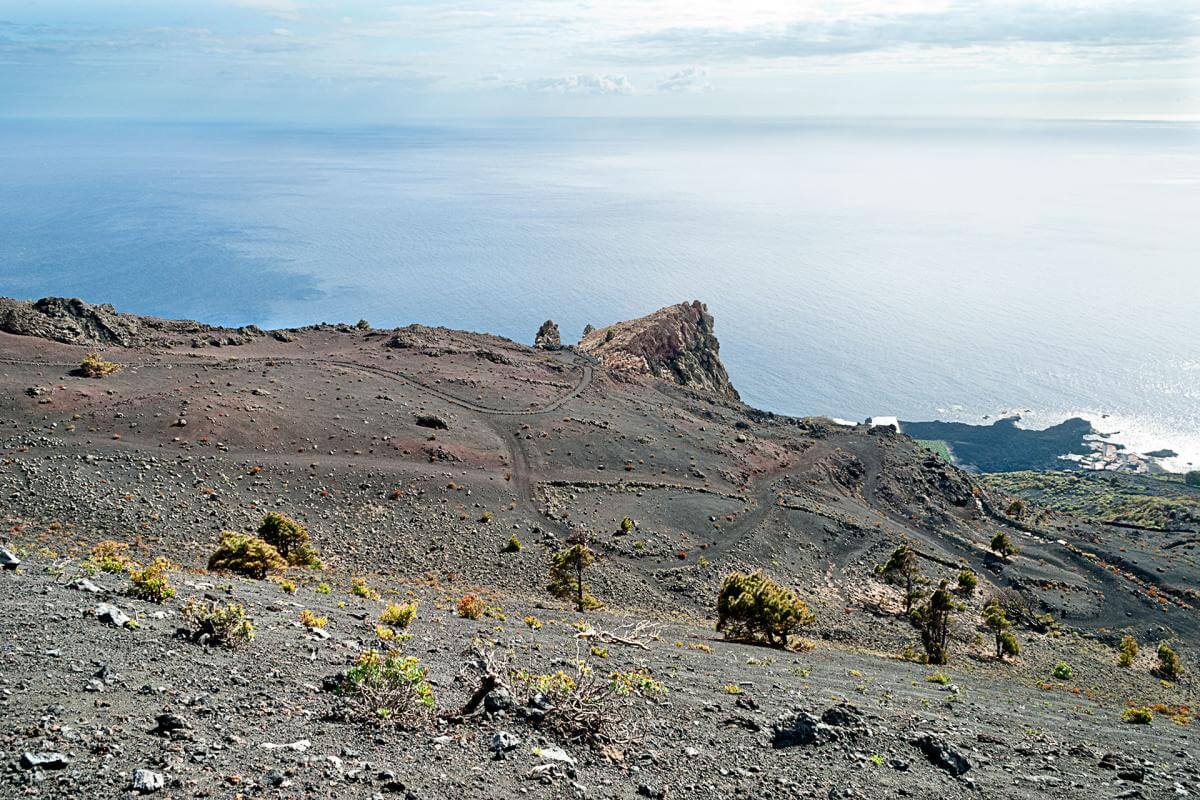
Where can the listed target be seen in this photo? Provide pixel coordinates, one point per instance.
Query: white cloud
(582, 84)
(689, 79)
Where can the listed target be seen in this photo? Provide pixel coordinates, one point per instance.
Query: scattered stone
(502, 742)
(84, 585)
(172, 726)
(147, 781)
(111, 615)
(44, 760)
(432, 421)
(8, 559)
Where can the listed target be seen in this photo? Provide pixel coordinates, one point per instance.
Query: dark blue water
(922, 270)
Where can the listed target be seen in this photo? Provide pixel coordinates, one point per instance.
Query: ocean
(927, 270)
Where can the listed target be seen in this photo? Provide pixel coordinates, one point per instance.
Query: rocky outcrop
(547, 336)
(674, 343)
(72, 321)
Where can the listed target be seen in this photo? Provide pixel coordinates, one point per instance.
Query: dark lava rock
(432, 421)
(941, 754)
(842, 722)
(9, 560)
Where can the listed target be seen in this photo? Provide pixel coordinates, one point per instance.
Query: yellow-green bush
(93, 366)
(154, 582)
(399, 614)
(109, 556)
(209, 623)
(387, 688)
(245, 555)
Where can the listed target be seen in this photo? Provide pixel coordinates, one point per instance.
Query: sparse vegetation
(386, 688)
(513, 545)
(566, 576)
(310, 620)
(290, 538)
(359, 588)
(213, 624)
(399, 615)
(997, 621)
(1127, 651)
(93, 366)
(1169, 667)
(154, 582)
(245, 555)
(588, 707)
(627, 525)
(109, 556)
(933, 621)
(1139, 715)
(968, 582)
(1062, 671)
(471, 606)
(1002, 546)
(752, 607)
(902, 568)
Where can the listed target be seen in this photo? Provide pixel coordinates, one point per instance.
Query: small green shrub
(310, 619)
(627, 525)
(1009, 646)
(1127, 651)
(359, 588)
(400, 615)
(968, 581)
(940, 678)
(93, 366)
(1002, 546)
(209, 623)
(245, 555)
(154, 582)
(587, 706)
(323, 588)
(752, 607)
(513, 545)
(1062, 671)
(109, 556)
(1169, 667)
(290, 538)
(387, 688)
(1138, 715)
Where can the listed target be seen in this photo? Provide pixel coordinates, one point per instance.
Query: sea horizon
(816, 243)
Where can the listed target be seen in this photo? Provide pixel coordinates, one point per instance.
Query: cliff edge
(675, 343)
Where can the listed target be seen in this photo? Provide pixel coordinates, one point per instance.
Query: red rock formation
(674, 343)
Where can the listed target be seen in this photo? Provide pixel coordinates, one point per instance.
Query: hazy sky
(323, 60)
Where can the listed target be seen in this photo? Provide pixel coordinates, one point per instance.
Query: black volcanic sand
(185, 442)
(1004, 447)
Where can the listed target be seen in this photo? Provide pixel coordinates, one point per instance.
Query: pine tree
(566, 574)
(902, 567)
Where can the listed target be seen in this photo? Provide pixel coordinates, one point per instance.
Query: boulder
(9, 560)
(941, 754)
(111, 615)
(147, 781)
(44, 760)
